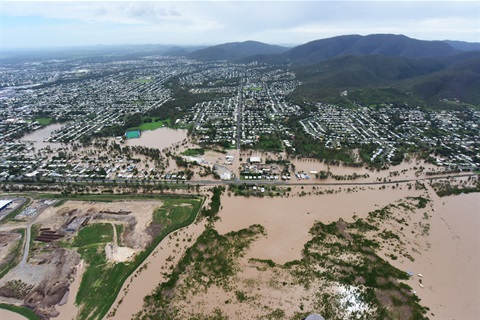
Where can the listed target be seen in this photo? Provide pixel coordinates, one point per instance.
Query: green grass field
(98, 233)
(194, 152)
(151, 125)
(143, 80)
(44, 121)
(103, 280)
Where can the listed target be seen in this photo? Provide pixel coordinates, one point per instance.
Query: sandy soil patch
(45, 280)
(8, 241)
(139, 217)
(119, 254)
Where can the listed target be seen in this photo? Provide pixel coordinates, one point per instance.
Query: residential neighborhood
(63, 120)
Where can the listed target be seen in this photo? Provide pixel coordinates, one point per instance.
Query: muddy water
(288, 220)
(450, 263)
(406, 170)
(9, 315)
(150, 273)
(159, 138)
(42, 134)
(69, 310)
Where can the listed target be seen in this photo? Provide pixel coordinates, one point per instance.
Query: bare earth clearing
(45, 280)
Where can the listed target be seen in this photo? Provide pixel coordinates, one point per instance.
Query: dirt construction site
(41, 252)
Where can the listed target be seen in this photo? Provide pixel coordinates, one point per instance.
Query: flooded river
(151, 272)
(453, 243)
(288, 220)
(450, 264)
(160, 138)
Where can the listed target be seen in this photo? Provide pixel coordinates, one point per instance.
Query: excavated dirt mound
(50, 291)
(8, 242)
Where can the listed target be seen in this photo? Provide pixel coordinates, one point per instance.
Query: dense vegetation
(211, 212)
(269, 142)
(182, 101)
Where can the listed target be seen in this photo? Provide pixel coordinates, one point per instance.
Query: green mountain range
(236, 50)
(385, 67)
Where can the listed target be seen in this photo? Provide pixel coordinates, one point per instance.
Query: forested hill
(236, 50)
(423, 81)
(388, 45)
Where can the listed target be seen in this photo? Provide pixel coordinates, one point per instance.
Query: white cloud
(210, 22)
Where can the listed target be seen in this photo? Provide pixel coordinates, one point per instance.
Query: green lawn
(44, 121)
(151, 125)
(194, 152)
(98, 233)
(143, 80)
(103, 280)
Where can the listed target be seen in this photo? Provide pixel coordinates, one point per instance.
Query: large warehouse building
(4, 204)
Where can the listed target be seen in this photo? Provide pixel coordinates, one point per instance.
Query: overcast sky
(72, 23)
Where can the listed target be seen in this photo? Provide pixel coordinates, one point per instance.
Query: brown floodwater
(450, 262)
(159, 138)
(404, 171)
(69, 310)
(151, 272)
(288, 220)
(38, 137)
(9, 315)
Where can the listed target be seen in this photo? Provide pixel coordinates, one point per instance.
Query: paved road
(26, 248)
(239, 113)
(312, 182)
(199, 116)
(28, 235)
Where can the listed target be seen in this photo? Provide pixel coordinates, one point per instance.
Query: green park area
(143, 80)
(151, 125)
(44, 121)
